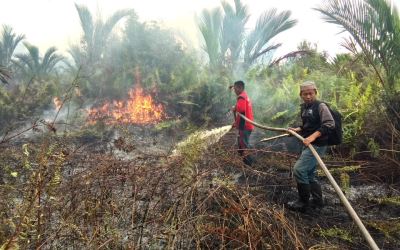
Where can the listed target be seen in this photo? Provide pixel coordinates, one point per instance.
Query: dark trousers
(244, 145)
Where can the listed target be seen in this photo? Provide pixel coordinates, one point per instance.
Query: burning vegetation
(139, 108)
(64, 184)
(57, 103)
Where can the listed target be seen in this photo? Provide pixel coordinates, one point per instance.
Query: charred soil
(123, 189)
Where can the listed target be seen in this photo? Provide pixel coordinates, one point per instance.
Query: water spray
(205, 138)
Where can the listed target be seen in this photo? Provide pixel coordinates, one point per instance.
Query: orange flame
(138, 109)
(57, 102)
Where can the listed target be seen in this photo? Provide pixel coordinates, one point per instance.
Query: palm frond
(233, 28)
(103, 30)
(96, 32)
(114, 19)
(77, 55)
(32, 64)
(86, 22)
(5, 74)
(50, 59)
(350, 45)
(374, 26)
(268, 25)
(226, 40)
(242, 11)
(289, 55)
(34, 56)
(24, 62)
(210, 28)
(8, 43)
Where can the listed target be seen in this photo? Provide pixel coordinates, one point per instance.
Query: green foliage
(211, 103)
(91, 58)
(226, 42)
(258, 42)
(373, 147)
(158, 59)
(345, 169)
(394, 200)
(165, 125)
(275, 101)
(275, 94)
(5, 74)
(30, 192)
(345, 182)
(336, 233)
(8, 43)
(391, 229)
(23, 102)
(375, 27)
(312, 60)
(210, 28)
(95, 34)
(194, 96)
(33, 66)
(135, 58)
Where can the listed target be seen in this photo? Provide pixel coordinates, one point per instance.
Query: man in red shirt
(243, 106)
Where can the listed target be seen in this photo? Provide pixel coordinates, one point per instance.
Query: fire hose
(342, 197)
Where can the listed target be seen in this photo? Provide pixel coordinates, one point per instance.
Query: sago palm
(96, 32)
(8, 43)
(375, 26)
(233, 30)
(226, 42)
(210, 28)
(269, 25)
(33, 65)
(5, 74)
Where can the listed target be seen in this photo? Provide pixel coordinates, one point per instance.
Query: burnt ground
(121, 189)
(367, 184)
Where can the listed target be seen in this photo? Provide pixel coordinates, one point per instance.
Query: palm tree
(95, 34)
(233, 30)
(4, 74)
(210, 28)
(226, 41)
(268, 25)
(9, 41)
(33, 65)
(375, 27)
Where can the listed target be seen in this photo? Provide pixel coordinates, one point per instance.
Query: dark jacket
(316, 117)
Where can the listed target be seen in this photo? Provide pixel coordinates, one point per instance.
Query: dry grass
(64, 193)
(69, 196)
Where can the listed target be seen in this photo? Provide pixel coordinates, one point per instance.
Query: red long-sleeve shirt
(243, 106)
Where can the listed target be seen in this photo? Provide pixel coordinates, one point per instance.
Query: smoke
(58, 116)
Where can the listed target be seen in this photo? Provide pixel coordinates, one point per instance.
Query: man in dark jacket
(317, 121)
(244, 107)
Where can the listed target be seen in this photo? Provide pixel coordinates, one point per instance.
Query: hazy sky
(48, 23)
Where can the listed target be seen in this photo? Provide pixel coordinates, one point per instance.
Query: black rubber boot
(301, 204)
(316, 193)
(248, 160)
